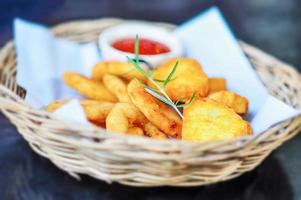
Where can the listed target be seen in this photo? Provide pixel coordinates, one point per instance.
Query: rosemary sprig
(169, 77)
(159, 91)
(155, 92)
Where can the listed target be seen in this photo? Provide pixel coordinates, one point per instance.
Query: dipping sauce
(146, 46)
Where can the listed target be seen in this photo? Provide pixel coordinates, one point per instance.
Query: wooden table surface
(272, 25)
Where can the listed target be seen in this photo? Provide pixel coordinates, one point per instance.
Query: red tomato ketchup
(146, 46)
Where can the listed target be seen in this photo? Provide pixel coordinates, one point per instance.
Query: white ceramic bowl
(143, 30)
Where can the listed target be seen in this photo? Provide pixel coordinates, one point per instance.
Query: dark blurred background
(272, 25)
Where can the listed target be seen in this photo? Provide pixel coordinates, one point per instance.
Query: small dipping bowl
(144, 31)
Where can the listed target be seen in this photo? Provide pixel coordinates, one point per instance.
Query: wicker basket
(142, 161)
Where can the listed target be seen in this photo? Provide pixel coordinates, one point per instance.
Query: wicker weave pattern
(141, 161)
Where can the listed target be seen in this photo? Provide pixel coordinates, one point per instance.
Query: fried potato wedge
(188, 78)
(154, 110)
(124, 116)
(117, 86)
(96, 111)
(209, 120)
(217, 84)
(87, 87)
(232, 100)
(124, 70)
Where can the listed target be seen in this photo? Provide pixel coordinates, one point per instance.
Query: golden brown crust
(217, 84)
(209, 120)
(189, 78)
(154, 110)
(135, 131)
(87, 87)
(124, 116)
(55, 105)
(124, 70)
(153, 132)
(117, 86)
(96, 111)
(232, 100)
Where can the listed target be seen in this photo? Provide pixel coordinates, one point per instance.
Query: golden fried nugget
(135, 131)
(55, 105)
(87, 87)
(96, 111)
(154, 110)
(188, 78)
(117, 87)
(153, 132)
(217, 84)
(124, 70)
(238, 103)
(209, 120)
(124, 116)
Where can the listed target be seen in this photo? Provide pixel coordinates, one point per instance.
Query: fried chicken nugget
(154, 110)
(153, 132)
(209, 120)
(87, 87)
(55, 105)
(124, 70)
(135, 131)
(117, 86)
(238, 103)
(189, 78)
(217, 84)
(95, 111)
(124, 116)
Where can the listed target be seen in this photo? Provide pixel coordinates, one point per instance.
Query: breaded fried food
(217, 84)
(55, 105)
(154, 110)
(209, 120)
(117, 86)
(188, 78)
(124, 116)
(232, 100)
(125, 70)
(96, 111)
(87, 87)
(153, 132)
(135, 131)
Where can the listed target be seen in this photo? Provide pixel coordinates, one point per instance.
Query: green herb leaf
(188, 102)
(149, 66)
(138, 68)
(137, 49)
(168, 79)
(162, 81)
(159, 80)
(179, 100)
